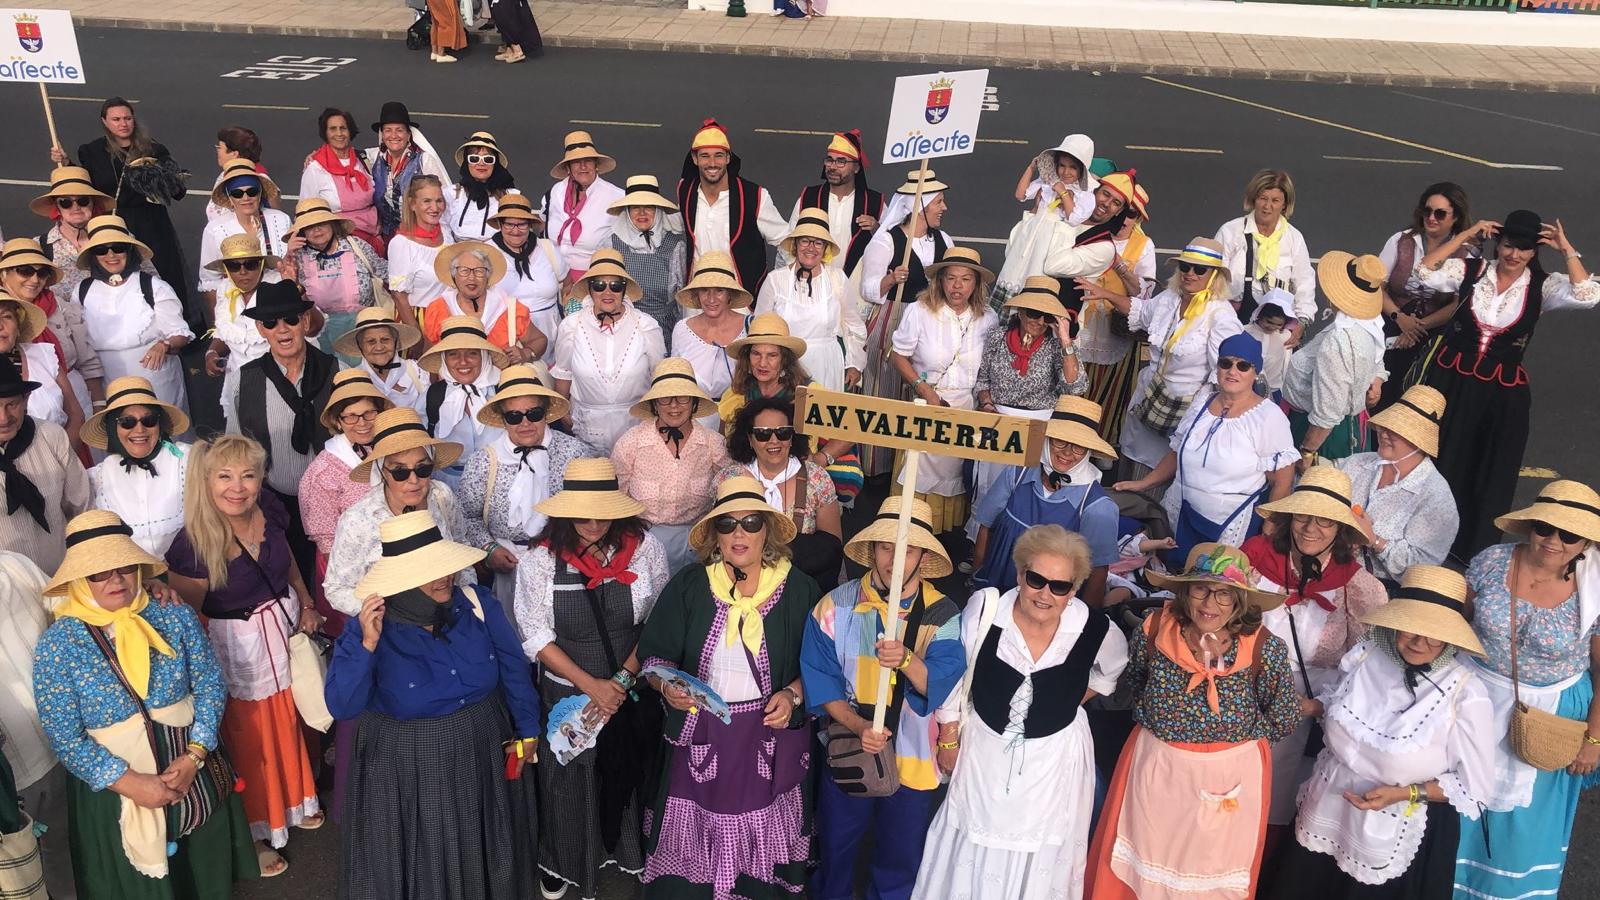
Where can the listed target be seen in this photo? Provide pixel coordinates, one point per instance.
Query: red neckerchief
(424, 234)
(1275, 566)
(1021, 357)
(615, 570)
(46, 301)
(354, 174)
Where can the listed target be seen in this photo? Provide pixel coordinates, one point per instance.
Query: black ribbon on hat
(1574, 504)
(742, 495)
(1318, 489)
(416, 541)
(895, 517)
(1079, 418)
(714, 270)
(640, 188)
(1426, 596)
(589, 484)
(1368, 286)
(89, 534)
(461, 329)
(393, 430)
(1430, 416)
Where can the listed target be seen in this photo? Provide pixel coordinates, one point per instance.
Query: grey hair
(481, 255)
(1053, 540)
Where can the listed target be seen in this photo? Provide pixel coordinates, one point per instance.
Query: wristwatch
(1069, 350)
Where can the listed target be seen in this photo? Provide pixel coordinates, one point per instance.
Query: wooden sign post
(916, 428)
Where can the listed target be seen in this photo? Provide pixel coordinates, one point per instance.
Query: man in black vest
(722, 211)
(281, 397)
(853, 208)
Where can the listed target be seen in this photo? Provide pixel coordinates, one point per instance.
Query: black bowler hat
(278, 300)
(11, 383)
(1522, 229)
(393, 113)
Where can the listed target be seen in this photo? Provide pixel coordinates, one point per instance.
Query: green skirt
(1347, 438)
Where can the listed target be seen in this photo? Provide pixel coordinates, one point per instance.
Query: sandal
(312, 823)
(271, 863)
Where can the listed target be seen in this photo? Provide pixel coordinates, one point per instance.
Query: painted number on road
(292, 68)
(991, 99)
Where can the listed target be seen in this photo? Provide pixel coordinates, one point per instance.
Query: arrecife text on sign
(941, 430)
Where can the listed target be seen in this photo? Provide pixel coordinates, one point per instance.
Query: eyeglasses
(600, 285)
(810, 243)
(1039, 582)
(1189, 268)
(482, 159)
(104, 249)
(1228, 362)
(241, 265)
(752, 524)
(357, 418)
(836, 161)
(148, 420)
(70, 202)
(1221, 597)
(475, 272)
(122, 571)
(518, 416)
(1035, 314)
(25, 272)
(1319, 521)
(270, 324)
(404, 473)
(1545, 529)
(242, 193)
(1434, 212)
(782, 433)
(674, 401)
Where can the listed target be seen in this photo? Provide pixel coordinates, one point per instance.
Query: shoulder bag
(1546, 741)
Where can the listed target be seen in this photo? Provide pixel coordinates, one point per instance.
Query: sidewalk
(648, 25)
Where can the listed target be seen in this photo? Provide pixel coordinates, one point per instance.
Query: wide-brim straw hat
(715, 270)
(121, 393)
(642, 190)
(99, 541)
(70, 181)
(108, 229)
(1203, 251)
(351, 384)
(397, 430)
(589, 490)
(33, 320)
(461, 333)
(1568, 505)
(935, 559)
(1323, 491)
(1415, 417)
(736, 496)
(481, 139)
(442, 262)
(1354, 284)
(607, 263)
(812, 223)
(414, 553)
(522, 381)
(1040, 293)
(1432, 602)
(579, 145)
(962, 256)
(240, 246)
(930, 183)
(515, 206)
(25, 252)
(1077, 420)
(238, 168)
(1213, 563)
(316, 211)
(674, 377)
(406, 336)
(768, 328)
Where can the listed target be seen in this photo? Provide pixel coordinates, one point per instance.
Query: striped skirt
(1111, 386)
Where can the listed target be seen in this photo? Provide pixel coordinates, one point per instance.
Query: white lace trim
(1368, 677)
(1324, 833)
(1457, 795)
(1235, 880)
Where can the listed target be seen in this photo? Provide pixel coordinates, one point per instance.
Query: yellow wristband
(952, 745)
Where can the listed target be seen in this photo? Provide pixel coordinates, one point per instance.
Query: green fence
(1591, 7)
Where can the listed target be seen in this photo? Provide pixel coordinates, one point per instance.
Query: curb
(804, 52)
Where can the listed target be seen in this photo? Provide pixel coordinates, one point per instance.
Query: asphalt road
(1359, 155)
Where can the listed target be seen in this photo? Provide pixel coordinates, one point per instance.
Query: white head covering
(900, 209)
(1372, 326)
(666, 223)
(461, 403)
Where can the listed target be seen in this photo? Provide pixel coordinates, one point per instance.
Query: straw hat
(99, 541)
(522, 381)
(414, 553)
(69, 181)
(316, 211)
(515, 206)
(26, 252)
(241, 246)
(589, 490)
(930, 183)
(963, 256)
(461, 333)
(108, 229)
(813, 223)
(129, 390)
(1212, 563)
(1415, 417)
(714, 270)
(1040, 294)
(1203, 251)
(31, 320)
(1077, 421)
(397, 430)
(406, 336)
(642, 190)
(768, 328)
(1354, 284)
(674, 377)
(1568, 505)
(481, 139)
(442, 262)
(351, 384)
(737, 495)
(607, 263)
(579, 145)
(1432, 602)
(1324, 491)
(935, 559)
(238, 168)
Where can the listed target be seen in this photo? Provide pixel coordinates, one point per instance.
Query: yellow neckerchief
(1188, 315)
(744, 613)
(135, 637)
(1111, 281)
(233, 294)
(1267, 250)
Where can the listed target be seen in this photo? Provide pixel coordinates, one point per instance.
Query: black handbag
(420, 34)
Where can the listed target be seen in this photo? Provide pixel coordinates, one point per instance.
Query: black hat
(277, 300)
(11, 383)
(1522, 228)
(393, 113)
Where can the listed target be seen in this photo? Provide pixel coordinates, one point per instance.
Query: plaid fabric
(1161, 410)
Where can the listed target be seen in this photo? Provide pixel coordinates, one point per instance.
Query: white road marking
(1380, 159)
(264, 106)
(829, 134)
(1159, 149)
(85, 99)
(434, 115)
(1496, 112)
(619, 124)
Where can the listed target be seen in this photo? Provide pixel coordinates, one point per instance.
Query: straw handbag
(1543, 740)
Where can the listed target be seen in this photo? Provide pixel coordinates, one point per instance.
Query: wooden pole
(902, 533)
(916, 208)
(49, 115)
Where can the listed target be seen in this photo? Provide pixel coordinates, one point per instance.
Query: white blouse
(540, 289)
(825, 315)
(1193, 356)
(535, 607)
(943, 347)
(467, 221)
(118, 318)
(713, 367)
(593, 216)
(224, 227)
(152, 505)
(411, 270)
(1294, 272)
(404, 385)
(46, 402)
(879, 258)
(1221, 462)
(1499, 309)
(609, 370)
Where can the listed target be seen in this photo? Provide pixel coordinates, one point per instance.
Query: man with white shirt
(853, 208)
(725, 212)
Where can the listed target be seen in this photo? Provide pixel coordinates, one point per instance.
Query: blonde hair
(1053, 540)
(1175, 283)
(772, 550)
(932, 296)
(408, 219)
(208, 529)
(1267, 179)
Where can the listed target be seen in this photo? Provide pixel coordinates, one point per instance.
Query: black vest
(746, 244)
(917, 279)
(253, 388)
(867, 203)
(1501, 359)
(1057, 691)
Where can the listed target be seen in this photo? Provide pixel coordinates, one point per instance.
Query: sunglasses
(242, 193)
(1189, 268)
(404, 473)
(597, 285)
(1227, 362)
(70, 202)
(1545, 529)
(26, 272)
(1436, 213)
(482, 159)
(242, 265)
(1039, 582)
(148, 420)
(104, 249)
(123, 571)
(1035, 314)
(518, 416)
(1319, 521)
(782, 433)
(752, 524)
(270, 324)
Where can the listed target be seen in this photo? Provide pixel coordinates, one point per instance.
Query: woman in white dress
(413, 249)
(135, 322)
(484, 181)
(534, 270)
(938, 351)
(816, 300)
(380, 341)
(1015, 823)
(250, 197)
(719, 307)
(142, 476)
(605, 353)
(33, 273)
(53, 400)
